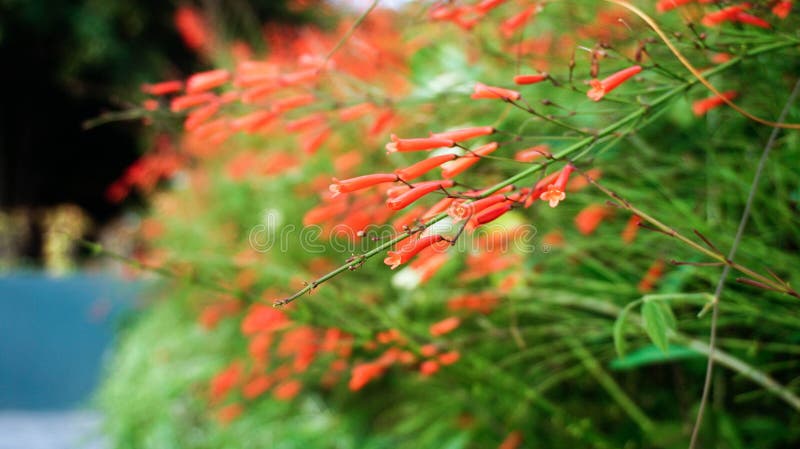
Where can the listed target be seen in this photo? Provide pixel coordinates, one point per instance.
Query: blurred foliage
(544, 365)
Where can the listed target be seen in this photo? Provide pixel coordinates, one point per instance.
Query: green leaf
(658, 320)
(650, 355)
(619, 329)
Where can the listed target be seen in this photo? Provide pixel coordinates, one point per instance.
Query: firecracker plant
(491, 223)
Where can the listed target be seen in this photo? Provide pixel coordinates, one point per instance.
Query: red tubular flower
(363, 374)
(512, 441)
(299, 77)
(429, 368)
(749, 19)
(488, 5)
(723, 15)
(492, 92)
(162, 88)
(443, 12)
(631, 229)
(324, 212)
(310, 143)
(652, 276)
(410, 249)
(449, 358)
(513, 23)
(188, 101)
(441, 206)
(252, 122)
(407, 219)
(395, 191)
(530, 79)
(200, 116)
(355, 112)
(445, 326)
(428, 350)
(555, 191)
(453, 168)
(782, 9)
(590, 218)
(305, 123)
(601, 88)
(203, 81)
(258, 93)
(286, 104)
(701, 107)
(192, 27)
(287, 390)
(430, 266)
(360, 182)
(420, 189)
(492, 213)
(150, 104)
(418, 144)
(666, 5)
(460, 135)
(380, 123)
(424, 166)
(533, 153)
(463, 210)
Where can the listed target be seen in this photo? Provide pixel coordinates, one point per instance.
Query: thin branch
(721, 283)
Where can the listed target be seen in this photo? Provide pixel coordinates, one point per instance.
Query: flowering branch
(609, 131)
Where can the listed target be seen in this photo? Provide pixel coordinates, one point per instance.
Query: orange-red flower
(631, 229)
(162, 88)
(487, 5)
(449, 358)
(590, 218)
(424, 166)
(364, 373)
(420, 189)
(513, 23)
(556, 191)
(355, 112)
(287, 390)
(701, 107)
(512, 441)
(492, 213)
(601, 88)
(192, 27)
(225, 380)
(530, 79)
(286, 104)
(261, 317)
(750, 19)
(493, 92)
(533, 153)
(429, 368)
(188, 101)
(454, 168)
(652, 276)
(410, 249)
(200, 116)
(460, 135)
(360, 182)
(463, 209)
(666, 5)
(445, 326)
(782, 9)
(203, 81)
(417, 144)
(228, 413)
(723, 15)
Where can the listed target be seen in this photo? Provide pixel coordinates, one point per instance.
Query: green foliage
(570, 354)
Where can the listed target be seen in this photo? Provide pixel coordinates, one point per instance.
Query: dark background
(67, 61)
